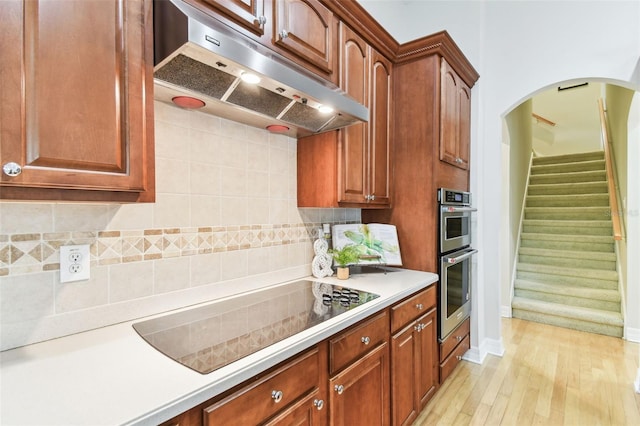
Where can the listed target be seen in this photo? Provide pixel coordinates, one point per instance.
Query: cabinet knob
(339, 389)
(262, 20)
(318, 403)
(459, 160)
(366, 340)
(372, 197)
(419, 306)
(459, 338)
(276, 396)
(284, 34)
(419, 327)
(459, 358)
(12, 169)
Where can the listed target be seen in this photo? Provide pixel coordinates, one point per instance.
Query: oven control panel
(453, 197)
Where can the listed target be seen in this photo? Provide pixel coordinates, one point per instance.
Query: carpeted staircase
(566, 271)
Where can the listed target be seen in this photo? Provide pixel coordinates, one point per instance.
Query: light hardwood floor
(547, 376)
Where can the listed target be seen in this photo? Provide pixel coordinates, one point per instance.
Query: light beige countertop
(112, 376)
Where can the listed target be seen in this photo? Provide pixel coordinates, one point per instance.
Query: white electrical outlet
(74, 263)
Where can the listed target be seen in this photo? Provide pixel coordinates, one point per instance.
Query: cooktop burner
(209, 337)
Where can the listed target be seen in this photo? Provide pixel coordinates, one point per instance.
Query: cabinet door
(427, 366)
(354, 80)
(248, 14)
(404, 374)
(455, 118)
(380, 130)
(359, 395)
(306, 28)
(77, 96)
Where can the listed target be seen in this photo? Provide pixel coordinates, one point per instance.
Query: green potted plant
(344, 257)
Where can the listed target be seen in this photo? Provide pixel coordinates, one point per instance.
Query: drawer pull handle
(366, 340)
(459, 358)
(339, 389)
(318, 403)
(459, 338)
(419, 306)
(276, 396)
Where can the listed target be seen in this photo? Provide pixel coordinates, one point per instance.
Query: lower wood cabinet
(363, 375)
(359, 395)
(414, 375)
(452, 348)
(287, 392)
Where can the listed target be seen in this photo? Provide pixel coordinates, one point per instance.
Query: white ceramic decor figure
(321, 264)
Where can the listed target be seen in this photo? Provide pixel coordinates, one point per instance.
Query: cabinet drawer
(347, 346)
(454, 359)
(259, 401)
(413, 307)
(453, 339)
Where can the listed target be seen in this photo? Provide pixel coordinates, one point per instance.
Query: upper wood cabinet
(306, 29)
(352, 167)
(247, 14)
(455, 118)
(76, 109)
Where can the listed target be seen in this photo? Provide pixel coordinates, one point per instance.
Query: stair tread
(568, 254)
(570, 223)
(575, 312)
(568, 290)
(568, 158)
(565, 237)
(598, 274)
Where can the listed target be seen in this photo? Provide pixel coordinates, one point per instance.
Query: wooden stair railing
(613, 198)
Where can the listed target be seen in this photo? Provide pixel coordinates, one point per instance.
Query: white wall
(519, 48)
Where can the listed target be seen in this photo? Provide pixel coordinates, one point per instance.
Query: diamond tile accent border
(29, 253)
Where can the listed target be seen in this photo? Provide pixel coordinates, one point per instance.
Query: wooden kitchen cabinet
(418, 171)
(303, 31)
(306, 30)
(248, 15)
(414, 374)
(76, 114)
(352, 167)
(359, 395)
(293, 391)
(359, 369)
(455, 118)
(452, 348)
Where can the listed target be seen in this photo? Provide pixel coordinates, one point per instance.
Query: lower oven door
(455, 290)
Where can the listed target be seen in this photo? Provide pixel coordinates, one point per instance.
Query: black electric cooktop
(208, 337)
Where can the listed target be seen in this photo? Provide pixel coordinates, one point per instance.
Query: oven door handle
(460, 258)
(452, 209)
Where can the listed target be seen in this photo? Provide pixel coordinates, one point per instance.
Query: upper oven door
(455, 227)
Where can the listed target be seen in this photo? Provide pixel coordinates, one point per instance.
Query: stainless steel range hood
(197, 56)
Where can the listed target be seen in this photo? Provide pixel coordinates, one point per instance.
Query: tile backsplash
(225, 221)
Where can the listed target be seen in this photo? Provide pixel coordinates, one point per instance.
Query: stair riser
(568, 245)
(567, 230)
(567, 280)
(570, 158)
(608, 330)
(585, 166)
(571, 189)
(569, 263)
(569, 300)
(578, 214)
(587, 201)
(567, 178)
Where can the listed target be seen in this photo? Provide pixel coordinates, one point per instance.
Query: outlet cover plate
(74, 263)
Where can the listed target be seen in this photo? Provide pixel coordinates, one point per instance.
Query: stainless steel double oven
(455, 254)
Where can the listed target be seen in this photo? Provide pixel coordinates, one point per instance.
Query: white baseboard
(505, 311)
(488, 346)
(632, 334)
(636, 384)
